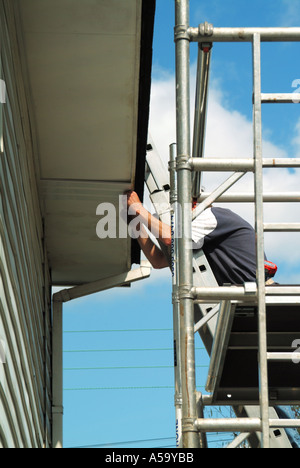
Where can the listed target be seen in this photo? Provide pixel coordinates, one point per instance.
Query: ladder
(162, 192)
(206, 35)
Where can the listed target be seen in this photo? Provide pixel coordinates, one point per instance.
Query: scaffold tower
(262, 305)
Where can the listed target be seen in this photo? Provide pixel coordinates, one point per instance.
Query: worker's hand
(133, 202)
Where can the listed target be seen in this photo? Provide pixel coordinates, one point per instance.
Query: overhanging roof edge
(146, 50)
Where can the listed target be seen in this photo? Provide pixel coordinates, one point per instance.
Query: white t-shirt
(228, 242)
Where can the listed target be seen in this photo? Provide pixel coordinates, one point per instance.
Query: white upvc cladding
(25, 301)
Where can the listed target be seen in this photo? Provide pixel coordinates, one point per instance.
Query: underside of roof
(88, 68)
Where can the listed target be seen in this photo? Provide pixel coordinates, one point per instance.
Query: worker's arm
(159, 230)
(151, 251)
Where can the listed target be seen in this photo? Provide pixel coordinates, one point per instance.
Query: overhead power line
(119, 350)
(132, 330)
(157, 387)
(122, 368)
(127, 442)
(226, 438)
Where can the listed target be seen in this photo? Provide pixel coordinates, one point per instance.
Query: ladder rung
(243, 164)
(281, 423)
(242, 424)
(245, 34)
(282, 227)
(281, 98)
(228, 425)
(244, 197)
(294, 357)
(246, 292)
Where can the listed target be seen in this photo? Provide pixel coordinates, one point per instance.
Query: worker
(228, 242)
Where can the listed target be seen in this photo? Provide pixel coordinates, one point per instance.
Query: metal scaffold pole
(190, 437)
(175, 296)
(200, 303)
(259, 227)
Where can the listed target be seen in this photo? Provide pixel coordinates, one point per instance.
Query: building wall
(25, 301)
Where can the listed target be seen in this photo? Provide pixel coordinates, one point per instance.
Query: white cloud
(229, 134)
(163, 115)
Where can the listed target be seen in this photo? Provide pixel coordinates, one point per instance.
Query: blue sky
(118, 356)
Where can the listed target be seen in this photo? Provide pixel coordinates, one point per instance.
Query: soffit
(83, 67)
